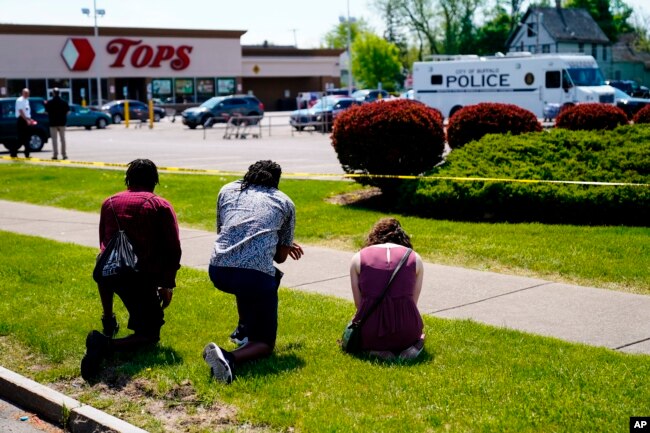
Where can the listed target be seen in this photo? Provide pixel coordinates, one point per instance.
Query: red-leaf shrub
(643, 115)
(398, 137)
(474, 121)
(591, 117)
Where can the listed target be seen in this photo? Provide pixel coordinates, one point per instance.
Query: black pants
(24, 134)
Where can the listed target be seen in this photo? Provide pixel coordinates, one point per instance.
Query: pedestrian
(255, 227)
(150, 223)
(57, 112)
(24, 122)
(393, 328)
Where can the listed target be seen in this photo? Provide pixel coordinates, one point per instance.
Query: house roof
(565, 25)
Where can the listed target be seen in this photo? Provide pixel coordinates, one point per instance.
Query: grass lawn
(608, 257)
(472, 378)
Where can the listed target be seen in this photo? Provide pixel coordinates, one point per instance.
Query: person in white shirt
(23, 122)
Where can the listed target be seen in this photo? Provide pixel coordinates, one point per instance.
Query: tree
(375, 61)
(338, 36)
(491, 37)
(396, 29)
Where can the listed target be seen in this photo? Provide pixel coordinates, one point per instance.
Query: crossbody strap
(374, 306)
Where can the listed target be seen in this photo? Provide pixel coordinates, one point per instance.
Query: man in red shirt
(150, 223)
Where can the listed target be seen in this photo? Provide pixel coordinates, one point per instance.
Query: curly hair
(263, 173)
(143, 173)
(388, 230)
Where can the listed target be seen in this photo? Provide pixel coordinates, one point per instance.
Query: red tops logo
(143, 55)
(78, 54)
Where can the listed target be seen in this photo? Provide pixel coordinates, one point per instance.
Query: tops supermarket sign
(78, 54)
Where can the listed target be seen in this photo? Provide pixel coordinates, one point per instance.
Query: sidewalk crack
(492, 297)
(318, 281)
(632, 343)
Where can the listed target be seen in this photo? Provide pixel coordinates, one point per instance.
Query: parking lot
(171, 144)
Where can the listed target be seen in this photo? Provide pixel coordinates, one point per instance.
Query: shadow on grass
(118, 370)
(423, 358)
(273, 365)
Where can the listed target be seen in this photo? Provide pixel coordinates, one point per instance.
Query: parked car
(342, 105)
(628, 103)
(370, 95)
(318, 116)
(40, 132)
(630, 87)
(84, 116)
(221, 108)
(137, 111)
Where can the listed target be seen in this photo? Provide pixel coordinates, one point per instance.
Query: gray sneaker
(219, 366)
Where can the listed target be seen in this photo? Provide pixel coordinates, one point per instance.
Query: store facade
(175, 66)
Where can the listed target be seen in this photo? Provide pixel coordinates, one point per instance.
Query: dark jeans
(257, 299)
(23, 138)
(140, 297)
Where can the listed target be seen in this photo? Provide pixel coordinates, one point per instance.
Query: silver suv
(222, 108)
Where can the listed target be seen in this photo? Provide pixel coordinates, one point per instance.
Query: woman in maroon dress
(394, 328)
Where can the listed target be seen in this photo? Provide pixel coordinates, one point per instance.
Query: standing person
(255, 227)
(150, 223)
(394, 328)
(23, 123)
(57, 111)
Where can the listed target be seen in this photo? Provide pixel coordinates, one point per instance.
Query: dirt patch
(178, 410)
(355, 197)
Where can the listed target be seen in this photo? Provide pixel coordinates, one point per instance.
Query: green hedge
(621, 155)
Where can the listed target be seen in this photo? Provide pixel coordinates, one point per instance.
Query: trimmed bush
(619, 156)
(643, 115)
(591, 117)
(399, 137)
(474, 121)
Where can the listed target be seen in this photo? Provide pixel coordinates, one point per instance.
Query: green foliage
(338, 36)
(589, 117)
(474, 121)
(399, 137)
(374, 61)
(491, 37)
(621, 156)
(471, 377)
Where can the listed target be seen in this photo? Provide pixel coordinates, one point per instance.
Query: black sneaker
(239, 335)
(111, 327)
(220, 367)
(97, 347)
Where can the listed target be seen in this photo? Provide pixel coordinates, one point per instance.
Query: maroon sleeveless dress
(396, 323)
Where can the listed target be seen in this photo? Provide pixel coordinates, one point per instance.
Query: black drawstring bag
(118, 260)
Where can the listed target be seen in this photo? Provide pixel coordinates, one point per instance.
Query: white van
(449, 83)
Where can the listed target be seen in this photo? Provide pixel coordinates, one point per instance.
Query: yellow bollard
(150, 114)
(83, 103)
(126, 113)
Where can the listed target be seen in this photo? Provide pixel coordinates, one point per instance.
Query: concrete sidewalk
(573, 313)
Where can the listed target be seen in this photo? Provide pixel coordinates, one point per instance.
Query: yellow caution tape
(331, 175)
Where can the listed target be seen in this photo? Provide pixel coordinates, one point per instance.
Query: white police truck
(533, 82)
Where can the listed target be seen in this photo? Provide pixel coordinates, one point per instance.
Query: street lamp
(101, 13)
(349, 22)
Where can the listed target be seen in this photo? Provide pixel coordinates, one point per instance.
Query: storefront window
(162, 89)
(37, 88)
(204, 89)
(184, 90)
(15, 87)
(226, 86)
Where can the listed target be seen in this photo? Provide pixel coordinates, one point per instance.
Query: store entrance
(135, 89)
(65, 94)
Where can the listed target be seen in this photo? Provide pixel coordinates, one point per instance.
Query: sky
(280, 22)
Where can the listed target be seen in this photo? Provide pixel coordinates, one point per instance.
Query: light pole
(101, 13)
(349, 22)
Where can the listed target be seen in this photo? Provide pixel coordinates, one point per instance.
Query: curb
(51, 405)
